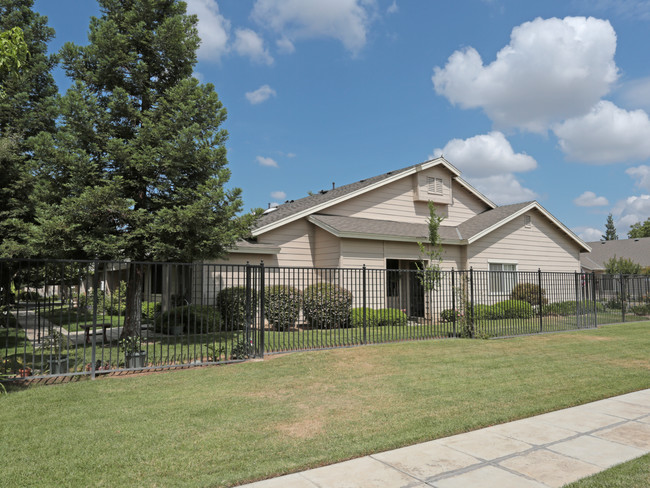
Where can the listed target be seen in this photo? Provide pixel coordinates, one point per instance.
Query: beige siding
(327, 253)
(542, 245)
(465, 206)
(296, 243)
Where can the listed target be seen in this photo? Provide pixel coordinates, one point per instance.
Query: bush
(641, 309)
(150, 310)
(28, 296)
(484, 312)
(512, 309)
(193, 318)
(281, 306)
(530, 293)
(109, 304)
(447, 315)
(379, 317)
(568, 308)
(231, 303)
(327, 306)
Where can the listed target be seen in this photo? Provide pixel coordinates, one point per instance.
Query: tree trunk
(133, 312)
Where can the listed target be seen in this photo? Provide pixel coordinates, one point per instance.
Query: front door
(404, 289)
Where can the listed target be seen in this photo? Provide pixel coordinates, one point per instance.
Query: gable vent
(434, 185)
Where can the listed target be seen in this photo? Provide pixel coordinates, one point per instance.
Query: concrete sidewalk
(549, 450)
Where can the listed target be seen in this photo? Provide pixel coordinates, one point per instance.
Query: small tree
(622, 266)
(639, 230)
(432, 254)
(610, 230)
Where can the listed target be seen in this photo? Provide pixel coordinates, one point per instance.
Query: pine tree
(610, 230)
(138, 166)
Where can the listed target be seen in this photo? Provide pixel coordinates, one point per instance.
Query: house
(377, 222)
(637, 250)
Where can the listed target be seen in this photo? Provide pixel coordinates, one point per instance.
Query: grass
(222, 426)
(632, 474)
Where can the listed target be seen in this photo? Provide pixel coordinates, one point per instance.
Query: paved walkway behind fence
(548, 450)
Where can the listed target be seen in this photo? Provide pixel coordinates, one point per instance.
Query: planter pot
(59, 365)
(24, 372)
(136, 360)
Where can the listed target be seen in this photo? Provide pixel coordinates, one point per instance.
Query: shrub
(107, 303)
(641, 309)
(28, 296)
(281, 306)
(379, 317)
(447, 315)
(150, 310)
(193, 318)
(512, 309)
(569, 308)
(231, 303)
(484, 312)
(530, 293)
(327, 306)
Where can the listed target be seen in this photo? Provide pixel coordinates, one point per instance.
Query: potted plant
(58, 362)
(134, 355)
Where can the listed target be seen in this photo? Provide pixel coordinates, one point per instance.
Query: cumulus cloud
(551, 69)
(267, 161)
(278, 195)
(504, 189)
(347, 21)
(589, 199)
(249, 43)
(213, 29)
(641, 174)
(262, 94)
(630, 211)
(588, 234)
(607, 134)
(284, 45)
(485, 155)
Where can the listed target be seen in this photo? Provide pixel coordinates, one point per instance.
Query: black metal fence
(65, 318)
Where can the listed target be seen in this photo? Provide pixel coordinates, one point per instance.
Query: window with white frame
(434, 185)
(503, 278)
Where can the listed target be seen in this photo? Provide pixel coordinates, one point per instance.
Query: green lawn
(220, 426)
(633, 474)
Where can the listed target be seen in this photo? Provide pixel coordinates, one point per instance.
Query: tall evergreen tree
(138, 166)
(610, 230)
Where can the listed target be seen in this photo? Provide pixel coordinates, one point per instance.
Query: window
(434, 185)
(527, 221)
(502, 278)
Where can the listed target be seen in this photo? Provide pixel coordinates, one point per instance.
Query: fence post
(471, 300)
(593, 297)
(577, 293)
(93, 354)
(623, 295)
(364, 302)
(539, 298)
(453, 299)
(247, 334)
(261, 341)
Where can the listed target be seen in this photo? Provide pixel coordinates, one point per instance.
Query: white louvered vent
(527, 222)
(434, 186)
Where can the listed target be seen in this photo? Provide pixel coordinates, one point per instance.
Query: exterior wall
(296, 243)
(397, 201)
(542, 245)
(327, 249)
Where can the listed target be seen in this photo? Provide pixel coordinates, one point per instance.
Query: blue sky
(543, 101)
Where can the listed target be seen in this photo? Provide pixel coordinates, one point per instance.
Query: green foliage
(379, 317)
(432, 256)
(568, 308)
(507, 309)
(151, 310)
(107, 303)
(243, 349)
(449, 314)
(28, 296)
(529, 292)
(281, 306)
(639, 230)
(13, 53)
(610, 230)
(327, 306)
(622, 266)
(131, 344)
(193, 318)
(231, 303)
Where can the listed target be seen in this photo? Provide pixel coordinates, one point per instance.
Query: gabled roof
(312, 204)
(638, 250)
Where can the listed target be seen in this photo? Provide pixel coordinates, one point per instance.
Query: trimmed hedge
(327, 306)
(379, 317)
(529, 292)
(231, 303)
(569, 308)
(641, 309)
(507, 309)
(281, 306)
(193, 318)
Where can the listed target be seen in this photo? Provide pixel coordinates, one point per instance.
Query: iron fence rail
(61, 318)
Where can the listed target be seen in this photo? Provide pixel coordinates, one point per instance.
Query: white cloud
(552, 69)
(249, 43)
(278, 195)
(291, 155)
(607, 134)
(213, 29)
(630, 211)
(393, 8)
(589, 199)
(485, 155)
(266, 161)
(588, 234)
(503, 189)
(641, 174)
(285, 45)
(345, 20)
(262, 94)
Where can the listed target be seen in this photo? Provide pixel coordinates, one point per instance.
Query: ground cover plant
(259, 419)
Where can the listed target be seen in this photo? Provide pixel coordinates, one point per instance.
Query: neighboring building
(377, 222)
(637, 250)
